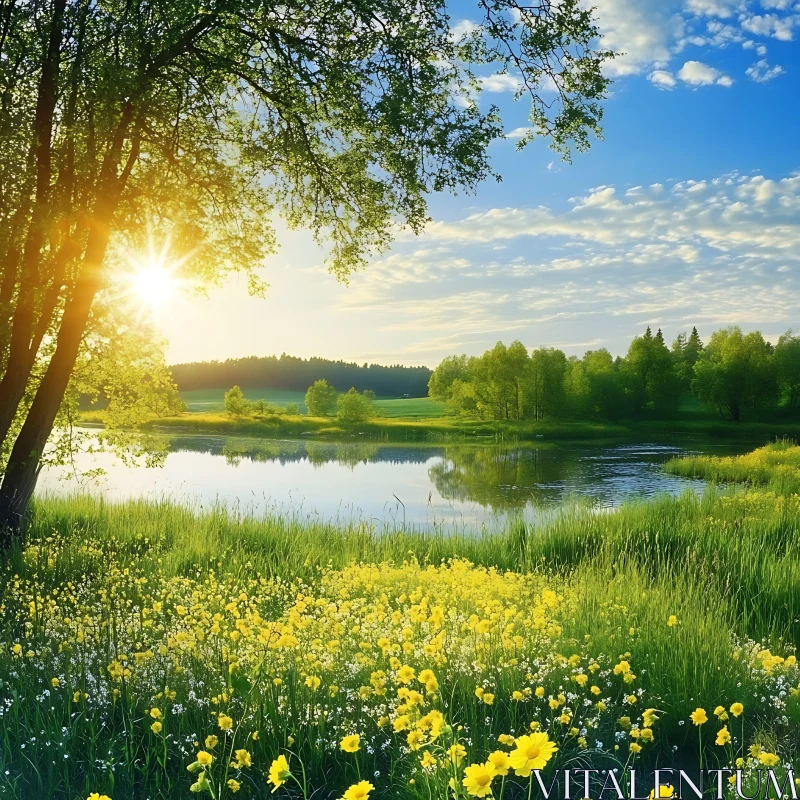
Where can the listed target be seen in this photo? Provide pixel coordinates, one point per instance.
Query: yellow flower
(243, 759)
(155, 713)
(501, 762)
(516, 696)
(234, 785)
(769, 759)
(156, 727)
(456, 753)
(351, 743)
(721, 713)
(635, 747)
(631, 699)
(532, 752)
(672, 621)
(358, 791)
(211, 742)
(649, 717)
(279, 772)
(313, 682)
(505, 738)
(699, 716)
(478, 779)
(96, 796)
(723, 736)
(405, 674)
(427, 761)
(204, 758)
(488, 698)
(426, 676)
(539, 691)
(225, 722)
(663, 791)
(55, 682)
(737, 709)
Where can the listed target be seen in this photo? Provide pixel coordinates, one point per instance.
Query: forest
(290, 372)
(735, 374)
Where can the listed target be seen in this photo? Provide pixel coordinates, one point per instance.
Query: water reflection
(467, 484)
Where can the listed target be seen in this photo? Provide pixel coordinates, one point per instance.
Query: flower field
(153, 652)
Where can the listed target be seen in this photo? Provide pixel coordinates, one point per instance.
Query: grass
(211, 401)
(775, 466)
(301, 633)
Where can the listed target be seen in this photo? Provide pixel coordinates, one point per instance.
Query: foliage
(735, 373)
(290, 372)
(236, 404)
(353, 407)
(787, 368)
(321, 399)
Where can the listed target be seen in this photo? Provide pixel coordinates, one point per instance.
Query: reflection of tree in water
(235, 450)
(500, 478)
(348, 453)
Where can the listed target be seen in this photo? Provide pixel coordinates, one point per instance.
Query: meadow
(210, 401)
(154, 650)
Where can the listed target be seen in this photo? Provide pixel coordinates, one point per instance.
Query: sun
(154, 285)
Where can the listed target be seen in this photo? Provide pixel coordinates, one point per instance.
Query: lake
(451, 486)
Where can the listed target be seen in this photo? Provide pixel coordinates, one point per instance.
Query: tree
(352, 407)
(450, 369)
(321, 399)
(649, 370)
(684, 356)
(544, 396)
(236, 404)
(735, 373)
(787, 368)
(121, 121)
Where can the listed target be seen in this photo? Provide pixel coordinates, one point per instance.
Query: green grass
(775, 466)
(210, 401)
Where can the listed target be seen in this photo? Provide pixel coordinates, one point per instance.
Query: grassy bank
(449, 429)
(775, 466)
(133, 632)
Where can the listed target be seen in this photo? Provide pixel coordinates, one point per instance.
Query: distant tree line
(289, 372)
(733, 373)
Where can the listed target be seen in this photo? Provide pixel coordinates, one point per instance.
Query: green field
(211, 400)
(158, 638)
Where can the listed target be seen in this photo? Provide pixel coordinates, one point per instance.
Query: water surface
(452, 486)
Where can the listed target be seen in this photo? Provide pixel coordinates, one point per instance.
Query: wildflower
(635, 747)
(204, 758)
(505, 738)
(234, 785)
(699, 716)
(96, 796)
(55, 683)
(427, 761)
(243, 759)
(663, 792)
(279, 772)
(737, 709)
(532, 752)
(501, 762)
(649, 717)
(721, 713)
(254, 736)
(539, 691)
(405, 674)
(313, 682)
(456, 753)
(351, 743)
(155, 713)
(672, 621)
(488, 698)
(156, 727)
(723, 736)
(769, 759)
(76, 696)
(211, 742)
(225, 722)
(478, 779)
(631, 699)
(358, 791)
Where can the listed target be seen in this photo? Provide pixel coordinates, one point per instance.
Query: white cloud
(761, 72)
(696, 73)
(662, 79)
(518, 133)
(499, 82)
(770, 25)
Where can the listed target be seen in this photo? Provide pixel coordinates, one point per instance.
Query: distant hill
(289, 372)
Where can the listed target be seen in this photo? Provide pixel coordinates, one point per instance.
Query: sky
(686, 213)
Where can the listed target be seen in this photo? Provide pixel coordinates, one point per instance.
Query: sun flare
(154, 285)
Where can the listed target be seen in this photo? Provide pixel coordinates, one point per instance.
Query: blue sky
(688, 212)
